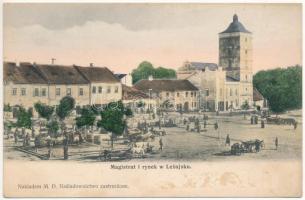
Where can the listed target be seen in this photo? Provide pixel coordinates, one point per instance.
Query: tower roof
(236, 26)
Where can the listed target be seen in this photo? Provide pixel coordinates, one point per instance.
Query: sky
(120, 36)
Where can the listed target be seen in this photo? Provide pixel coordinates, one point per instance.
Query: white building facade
(228, 85)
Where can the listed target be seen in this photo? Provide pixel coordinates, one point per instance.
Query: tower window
(246, 39)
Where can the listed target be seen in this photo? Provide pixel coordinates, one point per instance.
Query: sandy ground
(180, 144)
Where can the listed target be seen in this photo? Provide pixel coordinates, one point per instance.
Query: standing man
(49, 145)
(16, 136)
(36, 143)
(65, 143)
(276, 142)
(262, 124)
(161, 144)
(228, 140)
(216, 126)
(295, 124)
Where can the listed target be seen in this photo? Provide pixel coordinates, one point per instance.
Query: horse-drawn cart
(108, 155)
(247, 147)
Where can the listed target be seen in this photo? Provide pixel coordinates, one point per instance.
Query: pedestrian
(16, 136)
(65, 144)
(27, 139)
(49, 145)
(204, 124)
(276, 142)
(262, 124)
(216, 126)
(295, 124)
(228, 140)
(255, 120)
(187, 127)
(161, 144)
(36, 143)
(257, 146)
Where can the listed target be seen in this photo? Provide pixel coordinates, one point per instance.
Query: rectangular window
(167, 94)
(81, 91)
(116, 89)
(36, 92)
(191, 94)
(178, 94)
(69, 91)
(195, 104)
(186, 94)
(195, 93)
(93, 89)
(57, 91)
(207, 92)
(230, 92)
(43, 92)
(100, 89)
(14, 91)
(23, 91)
(108, 89)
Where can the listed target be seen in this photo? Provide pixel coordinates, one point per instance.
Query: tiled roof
(165, 85)
(131, 93)
(58, 74)
(203, 65)
(231, 79)
(236, 26)
(120, 76)
(26, 73)
(98, 74)
(257, 96)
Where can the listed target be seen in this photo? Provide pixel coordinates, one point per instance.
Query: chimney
(150, 78)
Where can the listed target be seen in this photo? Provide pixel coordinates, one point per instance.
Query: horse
(138, 151)
(236, 149)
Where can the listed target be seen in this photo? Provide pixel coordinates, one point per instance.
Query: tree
(63, 110)
(7, 108)
(146, 69)
(65, 107)
(162, 72)
(87, 118)
(282, 87)
(112, 119)
(24, 118)
(43, 110)
(53, 127)
(128, 112)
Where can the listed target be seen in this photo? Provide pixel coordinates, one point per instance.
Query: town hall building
(228, 85)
